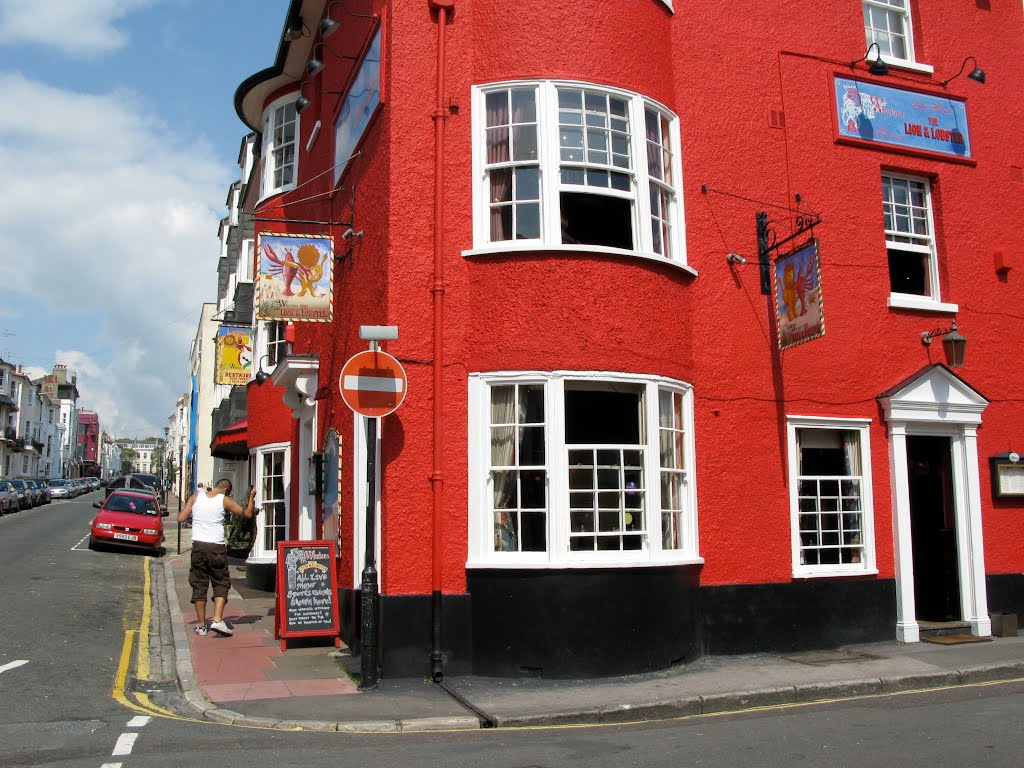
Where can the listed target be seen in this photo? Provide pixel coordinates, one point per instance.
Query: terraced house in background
(711, 317)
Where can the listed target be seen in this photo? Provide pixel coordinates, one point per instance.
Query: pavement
(247, 679)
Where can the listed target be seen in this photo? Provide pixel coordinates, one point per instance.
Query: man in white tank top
(209, 562)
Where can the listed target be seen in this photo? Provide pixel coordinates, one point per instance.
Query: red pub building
(675, 284)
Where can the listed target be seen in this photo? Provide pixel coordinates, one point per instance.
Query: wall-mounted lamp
(329, 26)
(977, 74)
(954, 344)
(735, 258)
(315, 64)
(875, 65)
(302, 102)
(261, 375)
(294, 29)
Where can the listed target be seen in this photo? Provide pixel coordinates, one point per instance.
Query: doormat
(956, 639)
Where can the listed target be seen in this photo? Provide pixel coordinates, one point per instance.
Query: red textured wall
(722, 68)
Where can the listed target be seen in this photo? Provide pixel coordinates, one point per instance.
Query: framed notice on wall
(307, 600)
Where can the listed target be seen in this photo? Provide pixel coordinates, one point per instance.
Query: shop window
(573, 469)
(830, 497)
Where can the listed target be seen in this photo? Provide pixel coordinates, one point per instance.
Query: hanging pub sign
(295, 278)
(798, 307)
(234, 355)
(909, 120)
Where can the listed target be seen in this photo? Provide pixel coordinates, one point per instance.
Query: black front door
(933, 528)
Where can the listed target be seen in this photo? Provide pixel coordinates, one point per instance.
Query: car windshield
(58, 483)
(123, 502)
(146, 479)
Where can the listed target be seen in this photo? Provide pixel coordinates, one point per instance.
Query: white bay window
(575, 469)
(566, 165)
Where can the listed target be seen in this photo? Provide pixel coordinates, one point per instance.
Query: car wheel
(93, 545)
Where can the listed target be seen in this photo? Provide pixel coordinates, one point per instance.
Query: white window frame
(867, 565)
(904, 14)
(932, 301)
(270, 350)
(482, 552)
(549, 162)
(261, 554)
(247, 259)
(267, 187)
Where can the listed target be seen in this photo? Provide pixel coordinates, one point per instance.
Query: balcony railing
(10, 433)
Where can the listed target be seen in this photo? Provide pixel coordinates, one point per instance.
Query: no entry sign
(372, 383)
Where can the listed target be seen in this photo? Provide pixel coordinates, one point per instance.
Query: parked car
(81, 485)
(151, 480)
(128, 518)
(24, 497)
(44, 489)
(60, 489)
(37, 491)
(8, 498)
(134, 482)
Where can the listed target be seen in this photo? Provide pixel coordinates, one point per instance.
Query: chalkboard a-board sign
(307, 601)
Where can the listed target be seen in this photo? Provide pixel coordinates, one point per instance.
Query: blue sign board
(900, 118)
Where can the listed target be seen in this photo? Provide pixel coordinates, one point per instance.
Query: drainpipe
(443, 9)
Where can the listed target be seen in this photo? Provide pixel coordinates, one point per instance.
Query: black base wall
(261, 576)
(797, 616)
(1006, 593)
(405, 632)
(583, 623)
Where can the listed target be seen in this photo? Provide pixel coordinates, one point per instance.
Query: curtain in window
(503, 414)
(851, 453)
(498, 152)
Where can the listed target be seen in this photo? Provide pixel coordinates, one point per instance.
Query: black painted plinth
(583, 623)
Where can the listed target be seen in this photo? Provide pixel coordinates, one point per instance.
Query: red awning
(232, 441)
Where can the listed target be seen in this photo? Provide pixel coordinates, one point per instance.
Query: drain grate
(822, 658)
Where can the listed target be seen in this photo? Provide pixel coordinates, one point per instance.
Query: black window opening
(590, 219)
(595, 416)
(908, 272)
(603, 434)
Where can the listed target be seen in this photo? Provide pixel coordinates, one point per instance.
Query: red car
(129, 518)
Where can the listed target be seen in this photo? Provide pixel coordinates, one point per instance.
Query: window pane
(497, 108)
(527, 221)
(524, 105)
(525, 142)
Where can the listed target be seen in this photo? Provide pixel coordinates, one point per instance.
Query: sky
(118, 142)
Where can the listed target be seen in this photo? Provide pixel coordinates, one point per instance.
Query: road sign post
(373, 385)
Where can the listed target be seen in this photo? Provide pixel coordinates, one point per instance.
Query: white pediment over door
(934, 394)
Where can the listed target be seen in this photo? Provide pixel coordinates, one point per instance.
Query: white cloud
(106, 213)
(76, 27)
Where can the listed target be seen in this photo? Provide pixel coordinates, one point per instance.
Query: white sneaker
(221, 628)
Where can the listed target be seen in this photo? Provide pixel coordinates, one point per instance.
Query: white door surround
(935, 401)
(300, 376)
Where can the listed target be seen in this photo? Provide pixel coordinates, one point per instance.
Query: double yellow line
(141, 703)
